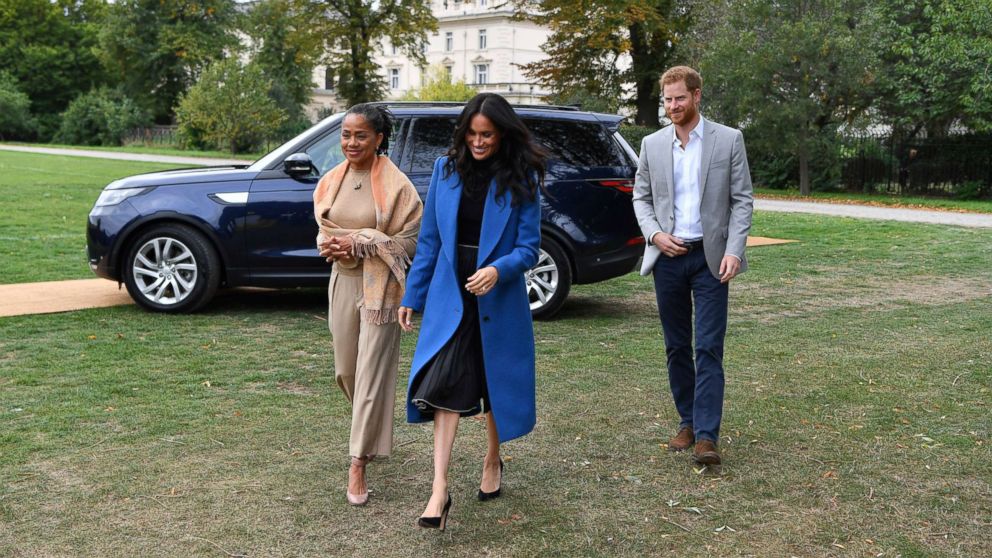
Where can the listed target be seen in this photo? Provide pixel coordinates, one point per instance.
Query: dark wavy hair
(518, 166)
(379, 117)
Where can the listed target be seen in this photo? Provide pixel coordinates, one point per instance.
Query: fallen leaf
(91, 337)
(829, 475)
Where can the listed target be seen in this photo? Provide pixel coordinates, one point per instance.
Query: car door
(280, 227)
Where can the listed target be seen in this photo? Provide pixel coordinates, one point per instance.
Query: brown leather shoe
(705, 453)
(683, 440)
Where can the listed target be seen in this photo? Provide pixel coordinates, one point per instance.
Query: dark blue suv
(174, 237)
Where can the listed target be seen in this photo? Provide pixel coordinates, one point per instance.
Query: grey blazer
(727, 197)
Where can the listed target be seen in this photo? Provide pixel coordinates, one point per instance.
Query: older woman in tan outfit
(369, 216)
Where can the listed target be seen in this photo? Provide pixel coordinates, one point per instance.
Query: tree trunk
(804, 186)
(646, 98)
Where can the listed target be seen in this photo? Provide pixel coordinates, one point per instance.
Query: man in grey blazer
(693, 200)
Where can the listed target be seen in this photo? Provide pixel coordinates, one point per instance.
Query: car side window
(577, 144)
(326, 152)
(431, 139)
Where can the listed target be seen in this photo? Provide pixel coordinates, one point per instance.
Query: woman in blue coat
(480, 232)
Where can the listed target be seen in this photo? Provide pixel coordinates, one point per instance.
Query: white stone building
(477, 41)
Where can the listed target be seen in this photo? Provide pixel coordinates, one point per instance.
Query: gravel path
(120, 156)
(874, 212)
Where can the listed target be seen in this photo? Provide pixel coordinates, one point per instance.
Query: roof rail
(414, 104)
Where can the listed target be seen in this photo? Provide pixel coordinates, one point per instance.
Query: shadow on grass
(587, 307)
(252, 300)
(313, 300)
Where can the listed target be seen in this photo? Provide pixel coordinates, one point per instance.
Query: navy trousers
(696, 378)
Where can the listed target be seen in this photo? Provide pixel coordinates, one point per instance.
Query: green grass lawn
(45, 201)
(856, 421)
(155, 150)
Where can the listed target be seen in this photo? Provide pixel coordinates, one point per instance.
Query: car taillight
(635, 241)
(625, 185)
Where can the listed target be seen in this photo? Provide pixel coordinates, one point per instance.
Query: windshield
(285, 149)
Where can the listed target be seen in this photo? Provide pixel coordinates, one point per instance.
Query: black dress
(455, 379)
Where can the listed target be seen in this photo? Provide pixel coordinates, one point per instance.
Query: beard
(684, 116)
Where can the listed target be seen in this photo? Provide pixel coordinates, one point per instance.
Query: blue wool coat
(509, 241)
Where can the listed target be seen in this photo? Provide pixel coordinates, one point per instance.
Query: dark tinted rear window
(577, 144)
(431, 138)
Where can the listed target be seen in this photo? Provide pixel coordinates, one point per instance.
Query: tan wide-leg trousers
(366, 359)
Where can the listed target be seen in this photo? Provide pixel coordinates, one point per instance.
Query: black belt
(691, 245)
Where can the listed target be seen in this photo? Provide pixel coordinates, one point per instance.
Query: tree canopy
(355, 28)
(48, 48)
(156, 49)
(790, 73)
(934, 72)
(286, 46)
(596, 47)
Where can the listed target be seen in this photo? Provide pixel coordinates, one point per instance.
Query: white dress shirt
(685, 168)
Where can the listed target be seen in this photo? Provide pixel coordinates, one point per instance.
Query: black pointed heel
(483, 496)
(436, 522)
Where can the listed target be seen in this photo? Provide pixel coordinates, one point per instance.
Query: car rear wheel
(171, 268)
(549, 281)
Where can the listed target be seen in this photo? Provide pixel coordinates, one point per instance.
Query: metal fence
(954, 166)
(154, 135)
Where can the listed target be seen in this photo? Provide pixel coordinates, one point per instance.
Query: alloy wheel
(164, 270)
(542, 281)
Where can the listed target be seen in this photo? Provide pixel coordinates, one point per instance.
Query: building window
(481, 74)
(447, 70)
(482, 39)
(483, 3)
(394, 78)
(329, 78)
(394, 50)
(449, 41)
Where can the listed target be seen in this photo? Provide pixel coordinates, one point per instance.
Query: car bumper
(102, 230)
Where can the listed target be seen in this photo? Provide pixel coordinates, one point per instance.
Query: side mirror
(298, 165)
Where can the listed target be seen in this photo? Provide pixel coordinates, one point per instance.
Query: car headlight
(114, 197)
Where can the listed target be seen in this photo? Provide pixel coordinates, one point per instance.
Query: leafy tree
(100, 117)
(598, 46)
(790, 74)
(286, 46)
(157, 48)
(355, 28)
(439, 87)
(16, 121)
(935, 66)
(47, 47)
(586, 100)
(229, 107)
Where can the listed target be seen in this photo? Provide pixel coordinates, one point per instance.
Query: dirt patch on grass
(815, 295)
(297, 389)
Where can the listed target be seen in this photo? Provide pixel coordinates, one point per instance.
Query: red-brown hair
(682, 73)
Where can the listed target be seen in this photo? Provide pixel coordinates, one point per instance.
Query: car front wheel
(549, 281)
(171, 268)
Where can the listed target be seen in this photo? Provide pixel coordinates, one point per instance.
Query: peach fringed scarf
(398, 211)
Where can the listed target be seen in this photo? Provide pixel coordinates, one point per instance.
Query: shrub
(100, 117)
(16, 121)
(439, 87)
(229, 108)
(634, 134)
